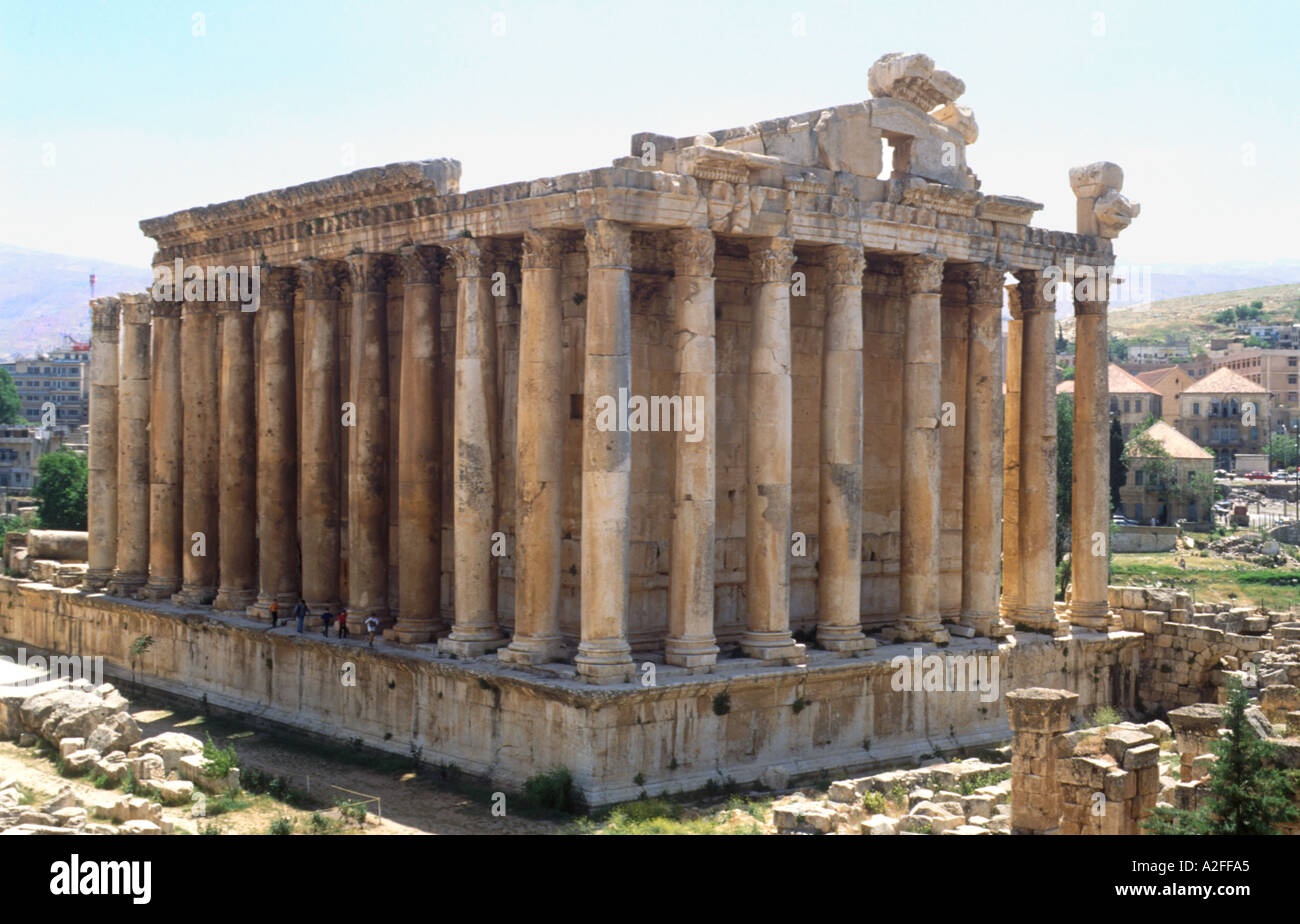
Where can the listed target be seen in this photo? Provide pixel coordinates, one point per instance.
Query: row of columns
(214, 437)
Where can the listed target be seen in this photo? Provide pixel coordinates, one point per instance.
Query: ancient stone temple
(738, 397)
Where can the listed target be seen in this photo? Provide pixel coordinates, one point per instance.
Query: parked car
(1257, 476)
(1120, 520)
(1221, 473)
(1281, 473)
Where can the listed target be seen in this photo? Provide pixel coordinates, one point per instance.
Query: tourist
(326, 618)
(275, 613)
(372, 624)
(343, 623)
(300, 613)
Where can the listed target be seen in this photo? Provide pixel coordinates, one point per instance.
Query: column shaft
(540, 441)
(368, 471)
(982, 484)
(691, 642)
(769, 457)
(839, 532)
(101, 481)
(1009, 602)
(1090, 498)
(474, 456)
(277, 446)
(604, 655)
(921, 514)
(322, 426)
(1037, 456)
(165, 447)
(200, 394)
(237, 514)
(419, 450)
(133, 449)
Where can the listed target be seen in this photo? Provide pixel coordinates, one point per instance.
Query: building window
(1126, 405)
(1196, 434)
(1196, 409)
(1137, 476)
(1189, 475)
(1137, 512)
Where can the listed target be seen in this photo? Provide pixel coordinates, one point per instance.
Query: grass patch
(662, 817)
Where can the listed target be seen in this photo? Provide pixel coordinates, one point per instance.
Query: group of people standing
(327, 619)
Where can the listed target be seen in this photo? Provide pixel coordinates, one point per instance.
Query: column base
(532, 650)
(96, 580)
(844, 639)
(412, 631)
(691, 651)
(157, 592)
(984, 625)
(773, 646)
(1034, 619)
(190, 595)
(260, 609)
(125, 585)
(1090, 615)
(928, 629)
(605, 661)
(470, 644)
(231, 599)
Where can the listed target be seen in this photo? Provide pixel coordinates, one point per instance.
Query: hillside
(44, 295)
(1193, 315)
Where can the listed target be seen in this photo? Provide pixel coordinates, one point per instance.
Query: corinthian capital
(985, 282)
(420, 265)
(923, 273)
(692, 251)
(368, 271)
(609, 243)
(542, 249)
(279, 282)
(844, 264)
(470, 256)
(104, 314)
(771, 259)
(1036, 291)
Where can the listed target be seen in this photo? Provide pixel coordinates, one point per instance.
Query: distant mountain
(1162, 281)
(44, 296)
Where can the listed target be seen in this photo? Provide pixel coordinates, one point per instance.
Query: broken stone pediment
(913, 78)
(706, 162)
(1102, 209)
(960, 118)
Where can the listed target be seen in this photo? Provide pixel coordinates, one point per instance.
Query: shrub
(551, 791)
(282, 826)
(874, 802)
(218, 762)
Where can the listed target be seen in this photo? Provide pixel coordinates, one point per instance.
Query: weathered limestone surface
(132, 565)
(101, 484)
(1038, 717)
(201, 426)
(165, 438)
(237, 544)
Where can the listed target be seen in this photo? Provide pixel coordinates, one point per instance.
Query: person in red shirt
(343, 623)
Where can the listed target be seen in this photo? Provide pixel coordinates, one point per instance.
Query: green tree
(1227, 316)
(1118, 350)
(1248, 794)
(1118, 470)
(1253, 341)
(61, 490)
(1064, 467)
(11, 409)
(1282, 450)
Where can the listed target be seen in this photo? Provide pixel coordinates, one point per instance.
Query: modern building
(21, 449)
(59, 380)
(1175, 496)
(1131, 399)
(1226, 413)
(1277, 370)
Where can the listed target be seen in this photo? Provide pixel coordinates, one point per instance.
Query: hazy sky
(116, 111)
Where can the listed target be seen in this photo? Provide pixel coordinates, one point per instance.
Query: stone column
(1090, 491)
(921, 514)
(165, 441)
(132, 566)
(982, 473)
(540, 441)
(277, 446)
(769, 457)
(419, 450)
(101, 481)
(322, 427)
(839, 532)
(201, 445)
(604, 655)
(1009, 601)
(1037, 524)
(691, 641)
(368, 471)
(1037, 716)
(474, 456)
(237, 515)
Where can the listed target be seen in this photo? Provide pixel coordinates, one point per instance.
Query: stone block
(140, 826)
(1142, 756)
(71, 746)
(1120, 740)
(880, 825)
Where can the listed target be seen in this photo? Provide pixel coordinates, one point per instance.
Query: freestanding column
(604, 655)
(322, 419)
(165, 440)
(1090, 498)
(133, 449)
(201, 445)
(691, 641)
(540, 441)
(839, 532)
(769, 457)
(277, 446)
(982, 485)
(238, 477)
(474, 456)
(419, 450)
(368, 472)
(1037, 455)
(101, 482)
(1009, 602)
(102, 477)
(922, 371)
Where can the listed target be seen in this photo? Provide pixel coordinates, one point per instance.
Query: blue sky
(113, 112)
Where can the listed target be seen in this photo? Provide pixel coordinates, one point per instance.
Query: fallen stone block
(81, 761)
(170, 746)
(116, 734)
(71, 746)
(139, 826)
